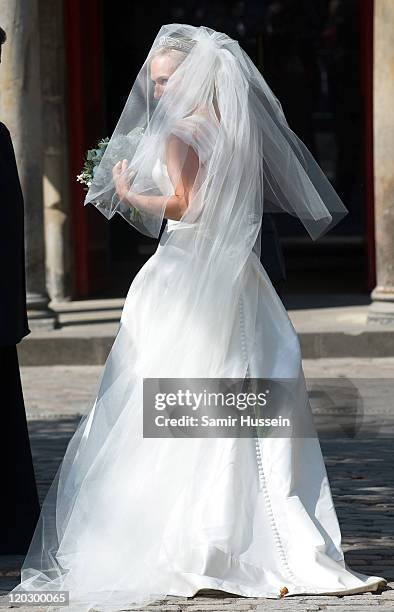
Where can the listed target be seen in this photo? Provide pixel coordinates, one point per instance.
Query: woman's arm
(182, 166)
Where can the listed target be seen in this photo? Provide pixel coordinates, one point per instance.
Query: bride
(134, 515)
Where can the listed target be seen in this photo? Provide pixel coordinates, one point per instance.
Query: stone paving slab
(201, 603)
(49, 388)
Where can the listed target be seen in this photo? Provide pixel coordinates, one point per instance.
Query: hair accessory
(183, 44)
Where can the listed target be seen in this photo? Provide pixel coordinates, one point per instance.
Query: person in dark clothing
(20, 505)
(271, 254)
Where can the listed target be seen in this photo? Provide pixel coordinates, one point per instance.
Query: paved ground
(360, 469)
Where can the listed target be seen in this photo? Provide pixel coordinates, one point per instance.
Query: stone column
(20, 104)
(382, 308)
(55, 166)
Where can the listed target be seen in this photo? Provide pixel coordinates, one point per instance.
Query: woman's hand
(122, 180)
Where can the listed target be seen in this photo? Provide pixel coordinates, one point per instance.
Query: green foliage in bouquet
(93, 158)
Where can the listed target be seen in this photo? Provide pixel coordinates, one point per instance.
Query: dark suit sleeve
(13, 316)
(271, 251)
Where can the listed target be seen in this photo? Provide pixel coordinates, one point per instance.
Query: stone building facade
(52, 87)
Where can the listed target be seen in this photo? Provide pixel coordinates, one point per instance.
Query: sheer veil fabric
(129, 520)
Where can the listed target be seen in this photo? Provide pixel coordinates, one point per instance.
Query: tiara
(183, 44)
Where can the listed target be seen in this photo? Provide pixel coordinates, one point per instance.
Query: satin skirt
(130, 519)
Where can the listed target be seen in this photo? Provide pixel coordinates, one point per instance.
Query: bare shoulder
(202, 116)
(199, 130)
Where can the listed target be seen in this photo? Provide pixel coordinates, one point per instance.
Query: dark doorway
(309, 52)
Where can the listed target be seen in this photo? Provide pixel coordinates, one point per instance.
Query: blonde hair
(176, 54)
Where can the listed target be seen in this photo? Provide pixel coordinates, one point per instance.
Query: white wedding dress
(263, 515)
(139, 517)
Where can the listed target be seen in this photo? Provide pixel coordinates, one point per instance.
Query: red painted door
(366, 32)
(85, 127)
